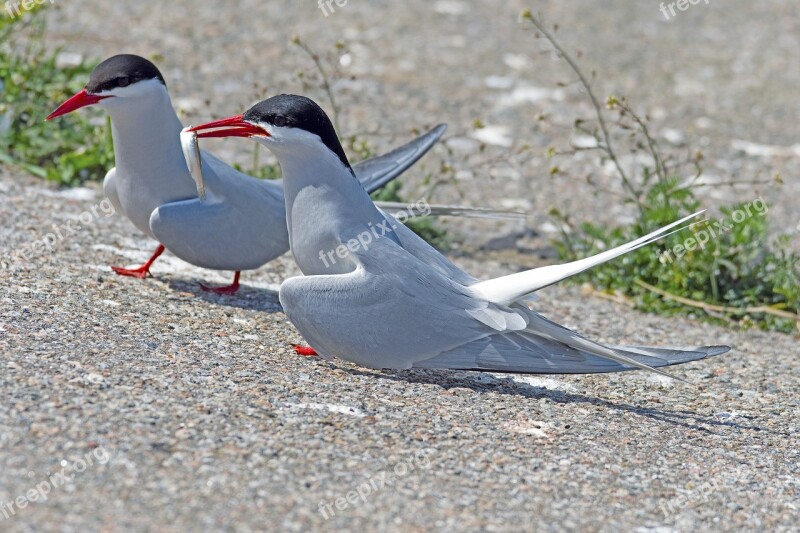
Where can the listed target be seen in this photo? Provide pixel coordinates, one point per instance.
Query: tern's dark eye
(279, 121)
(123, 81)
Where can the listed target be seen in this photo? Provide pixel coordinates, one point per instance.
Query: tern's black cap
(292, 111)
(120, 71)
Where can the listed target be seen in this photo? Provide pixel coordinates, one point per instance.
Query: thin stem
(661, 169)
(718, 308)
(609, 147)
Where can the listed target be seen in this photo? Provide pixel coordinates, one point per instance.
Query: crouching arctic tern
(241, 224)
(395, 302)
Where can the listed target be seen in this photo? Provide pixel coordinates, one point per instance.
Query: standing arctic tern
(241, 224)
(394, 301)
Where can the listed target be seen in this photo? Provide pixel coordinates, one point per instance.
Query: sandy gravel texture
(197, 415)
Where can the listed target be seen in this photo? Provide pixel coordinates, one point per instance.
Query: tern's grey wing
(419, 248)
(217, 236)
(240, 226)
(523, 341)
(544, 347)
(395, 311)
(529, 353)
(376, 172)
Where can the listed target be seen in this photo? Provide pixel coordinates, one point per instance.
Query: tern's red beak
(81, 99)
(228, 127)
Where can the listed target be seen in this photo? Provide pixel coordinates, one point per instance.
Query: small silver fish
(191, 153)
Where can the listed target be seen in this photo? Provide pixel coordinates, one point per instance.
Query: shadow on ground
(485, 383)
(248, 297)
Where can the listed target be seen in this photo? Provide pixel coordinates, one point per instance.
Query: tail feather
(508, 289)
(438, 210)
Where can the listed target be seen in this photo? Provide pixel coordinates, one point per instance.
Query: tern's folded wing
(527, 353)
(240, 226)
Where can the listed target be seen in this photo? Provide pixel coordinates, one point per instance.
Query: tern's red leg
(305, 351)
(144, 270)
(230, 289)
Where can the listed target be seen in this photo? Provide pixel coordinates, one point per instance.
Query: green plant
(737, 276)
(77, 147)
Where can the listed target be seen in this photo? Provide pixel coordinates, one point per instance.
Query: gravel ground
(196, 414)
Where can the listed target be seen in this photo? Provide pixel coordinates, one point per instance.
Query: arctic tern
(393, 301)
(241, 224)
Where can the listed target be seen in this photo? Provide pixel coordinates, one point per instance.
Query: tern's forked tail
(511, 288)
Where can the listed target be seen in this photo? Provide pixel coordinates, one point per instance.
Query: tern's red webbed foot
(140, 272)
(144, 270)
(305, 351)
(230, 289)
